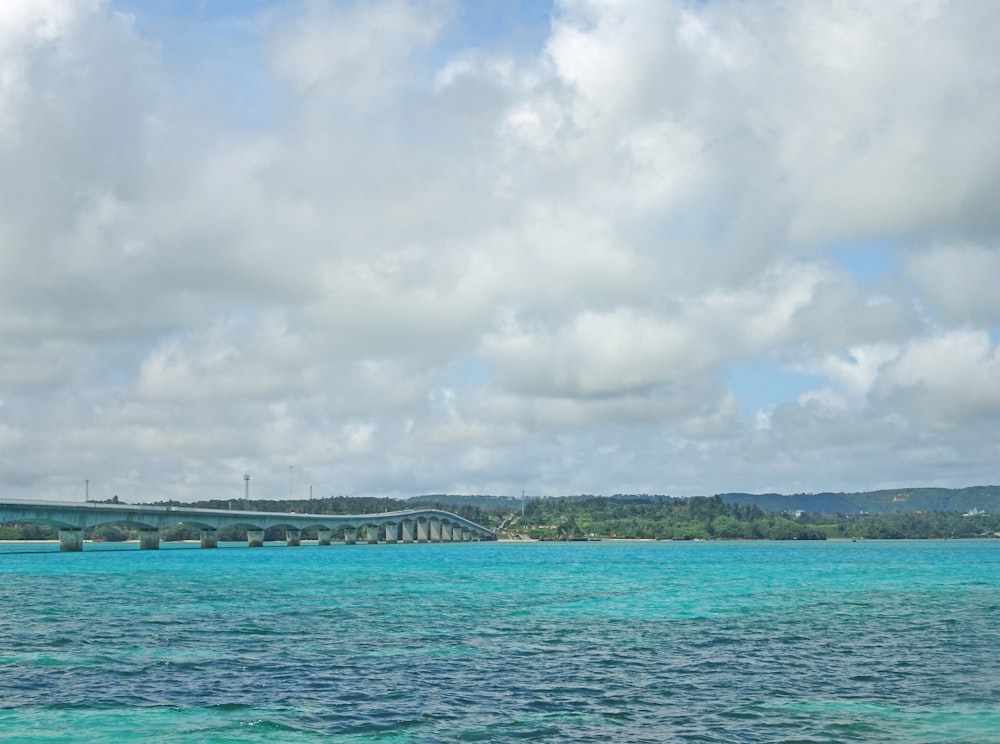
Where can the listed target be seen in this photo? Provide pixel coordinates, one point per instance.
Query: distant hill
(984, 498)
(486, 502)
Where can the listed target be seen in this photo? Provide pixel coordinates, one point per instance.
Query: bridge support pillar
(391, 528)
(149, 539)
(71, 541)
(350, 535)
(445, 533)
(255, 538)
(407, 530)
(435, 525)
(323, 535)
(372, 532)
(466, 536)
(209, 538)
(422, 531)
(293, 538)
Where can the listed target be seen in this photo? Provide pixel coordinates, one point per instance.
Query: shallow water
(487, 642)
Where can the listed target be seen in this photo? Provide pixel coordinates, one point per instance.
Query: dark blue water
(485, 642)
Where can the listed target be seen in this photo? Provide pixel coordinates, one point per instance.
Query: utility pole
(246, 490)
(86, 490)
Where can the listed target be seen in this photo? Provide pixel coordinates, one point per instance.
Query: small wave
(228, 706)
(267, 726)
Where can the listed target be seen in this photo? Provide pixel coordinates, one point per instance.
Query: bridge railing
(91, 504)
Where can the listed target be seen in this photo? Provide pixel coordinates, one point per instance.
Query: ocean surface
(498, 642)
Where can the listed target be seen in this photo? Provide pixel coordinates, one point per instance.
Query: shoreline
(547, 542)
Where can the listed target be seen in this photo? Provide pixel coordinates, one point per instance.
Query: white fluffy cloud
(365, 241)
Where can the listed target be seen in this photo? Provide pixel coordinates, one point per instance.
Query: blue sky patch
(867, 261)
(759, 385)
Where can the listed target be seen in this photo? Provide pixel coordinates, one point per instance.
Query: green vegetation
(711, 518)
(26, 531)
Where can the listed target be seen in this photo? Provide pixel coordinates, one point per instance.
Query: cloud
(958, 281)
(365, 49)
(405, 258)
(946, 379)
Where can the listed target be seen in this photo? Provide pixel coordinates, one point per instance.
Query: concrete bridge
(72, 518)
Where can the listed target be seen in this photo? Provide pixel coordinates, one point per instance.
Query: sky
(390, 248)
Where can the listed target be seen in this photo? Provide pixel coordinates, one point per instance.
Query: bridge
(71, 519)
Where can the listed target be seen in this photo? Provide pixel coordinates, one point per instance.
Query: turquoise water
(487, 642)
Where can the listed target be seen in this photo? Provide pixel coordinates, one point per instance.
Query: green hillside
(962, 500)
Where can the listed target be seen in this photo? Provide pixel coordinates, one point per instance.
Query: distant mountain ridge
(982, 498)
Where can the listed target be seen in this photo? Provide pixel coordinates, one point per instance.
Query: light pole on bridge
(246, 491)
